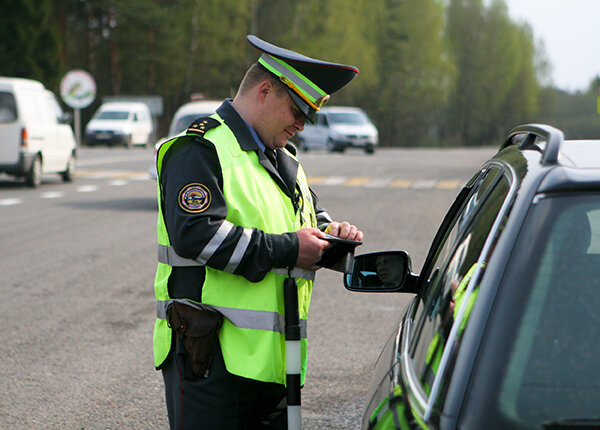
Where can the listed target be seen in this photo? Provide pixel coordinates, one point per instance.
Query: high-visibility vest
(252, 335)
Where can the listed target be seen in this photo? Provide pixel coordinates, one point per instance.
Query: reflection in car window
(448, 292)
(8, 109)
(449, 240)
(552, 370)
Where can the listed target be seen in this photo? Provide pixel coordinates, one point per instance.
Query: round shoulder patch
(194, 198)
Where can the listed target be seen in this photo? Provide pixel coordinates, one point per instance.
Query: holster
(199, 329)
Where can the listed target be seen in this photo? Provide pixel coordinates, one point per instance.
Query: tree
(29, 47)
(414, 72)
(497, 85)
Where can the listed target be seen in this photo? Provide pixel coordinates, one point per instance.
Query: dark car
(503, 331)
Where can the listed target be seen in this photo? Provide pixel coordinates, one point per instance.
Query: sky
(570, 30)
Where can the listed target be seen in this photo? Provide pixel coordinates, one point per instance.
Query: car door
(449, 281)
(64, 142)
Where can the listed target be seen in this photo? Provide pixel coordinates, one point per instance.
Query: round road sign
(78, 89)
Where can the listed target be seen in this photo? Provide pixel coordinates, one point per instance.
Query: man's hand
(344, 230)
(311, 248)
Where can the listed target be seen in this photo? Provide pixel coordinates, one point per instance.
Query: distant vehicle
(503, 330)
(183, 118)
(120, 123)
(337, 128)
(35, 133)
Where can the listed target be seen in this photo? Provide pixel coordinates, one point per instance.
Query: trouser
(221, 401)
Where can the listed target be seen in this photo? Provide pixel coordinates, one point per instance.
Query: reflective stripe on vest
(241, 318)
(167, 255)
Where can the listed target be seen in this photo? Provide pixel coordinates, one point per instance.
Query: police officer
(236, 218)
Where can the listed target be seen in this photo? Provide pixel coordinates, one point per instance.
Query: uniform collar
(285, 176)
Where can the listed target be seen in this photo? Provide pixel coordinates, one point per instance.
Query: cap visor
(309, 113)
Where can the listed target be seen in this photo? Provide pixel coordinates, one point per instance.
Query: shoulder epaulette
(201, 126)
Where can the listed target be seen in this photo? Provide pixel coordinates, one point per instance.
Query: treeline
(433, 72)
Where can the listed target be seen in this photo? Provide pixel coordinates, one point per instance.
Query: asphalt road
(76, 285)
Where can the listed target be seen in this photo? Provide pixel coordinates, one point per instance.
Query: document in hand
(340, 256)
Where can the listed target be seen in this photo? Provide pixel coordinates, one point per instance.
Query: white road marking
(10, 202)
(53, 195)
(118, 182)
(87, 188)
(334, 180)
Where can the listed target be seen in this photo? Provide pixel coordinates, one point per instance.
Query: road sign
(78, 89)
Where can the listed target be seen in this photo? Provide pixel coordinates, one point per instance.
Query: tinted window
(448, 302)
(552, 371)
(8, 109)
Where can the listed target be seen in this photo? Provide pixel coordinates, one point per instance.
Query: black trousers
(221, 401)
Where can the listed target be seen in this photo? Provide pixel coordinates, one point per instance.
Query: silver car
(337, 128)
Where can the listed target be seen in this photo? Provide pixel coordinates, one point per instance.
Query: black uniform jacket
(193, 160)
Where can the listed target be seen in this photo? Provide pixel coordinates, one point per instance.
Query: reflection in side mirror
(386, 271)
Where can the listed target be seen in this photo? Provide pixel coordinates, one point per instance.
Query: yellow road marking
(315, 179)
(448, 185)
(356, 182)
(401, 183)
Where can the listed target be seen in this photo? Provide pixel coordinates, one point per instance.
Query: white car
(337, 128)
(183, 118)
(35, 133)
(120, 123)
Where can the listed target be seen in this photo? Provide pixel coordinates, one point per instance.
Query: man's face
(281, 121)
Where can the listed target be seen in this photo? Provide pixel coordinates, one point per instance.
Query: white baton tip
(292, 357)
(294, 417)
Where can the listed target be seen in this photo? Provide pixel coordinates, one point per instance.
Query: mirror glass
(379, 271)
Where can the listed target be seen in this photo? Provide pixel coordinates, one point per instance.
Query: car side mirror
(65, 118)
(386, 271)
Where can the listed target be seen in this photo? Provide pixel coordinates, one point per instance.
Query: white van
(120, 123)
(35, 135)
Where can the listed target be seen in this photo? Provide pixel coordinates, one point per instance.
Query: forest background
(432, 72)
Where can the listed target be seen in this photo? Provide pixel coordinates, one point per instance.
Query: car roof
(553, 163)
(8, 82)
(340, 109)
(584, 154)
(199, 107)
(122, 106)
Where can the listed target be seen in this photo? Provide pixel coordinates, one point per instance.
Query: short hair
(257, 74)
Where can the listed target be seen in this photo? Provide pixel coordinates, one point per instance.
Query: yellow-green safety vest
(252, 335)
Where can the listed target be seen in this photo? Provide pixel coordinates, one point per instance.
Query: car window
(352, 118)
(113, 115)
(451, 276)
(322, 120)
(8, 108)
(552, 369)
(440, 253)
(183, 122)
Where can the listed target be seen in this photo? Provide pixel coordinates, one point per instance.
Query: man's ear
(264, 90)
